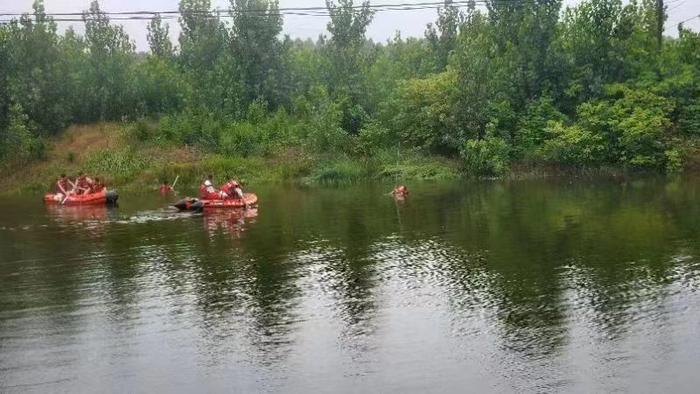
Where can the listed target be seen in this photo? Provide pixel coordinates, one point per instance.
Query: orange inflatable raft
(195, 204)
(103, 197)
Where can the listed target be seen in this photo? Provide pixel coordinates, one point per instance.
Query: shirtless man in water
(400, 191)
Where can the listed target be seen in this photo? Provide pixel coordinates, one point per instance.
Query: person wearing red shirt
(207, 191)
(165, 188)
(233, 189)
(97, 186)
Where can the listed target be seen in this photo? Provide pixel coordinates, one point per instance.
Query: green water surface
(529, 286)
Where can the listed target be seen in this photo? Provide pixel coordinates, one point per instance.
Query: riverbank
(110, 151)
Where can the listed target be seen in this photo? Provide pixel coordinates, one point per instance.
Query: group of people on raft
(232, 189)
(80, 185)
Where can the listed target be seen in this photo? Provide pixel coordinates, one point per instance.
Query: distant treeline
(517, 82)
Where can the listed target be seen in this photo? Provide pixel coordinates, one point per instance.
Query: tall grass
(118, 165)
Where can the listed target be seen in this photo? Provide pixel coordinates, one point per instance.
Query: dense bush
(486, 157)
(572, 145)
(18, 141)
(423, 114)
(532, 126)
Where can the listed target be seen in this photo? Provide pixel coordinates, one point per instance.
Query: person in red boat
(232, 189)
(97, 186)
(83, 184)
(63, 186)
(207, 191)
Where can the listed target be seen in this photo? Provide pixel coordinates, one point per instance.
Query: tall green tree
(203, 38)
(34, 74)
(210, 68)
(347, 60)
(159, 38)
(523, 34)
(4, 71)
(257, 49)
(76, 62)
(475, 64)
(442, 36)
(108, 84)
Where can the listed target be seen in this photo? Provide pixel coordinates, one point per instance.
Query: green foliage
(158, 38)
(239, 139)
(120, 165)
(422, 170)
(532, 125)
(572, 145)
(689, 118)
(202, 39)
(324, 132)
(339, 171)
(159, 87)
(442, 37)
(486, 157)
(141, 131)
(674, 160)
(109, 88)
(590, 86)
(346, 76)
(34, 68)
(257, 51)
(479, 77)
(18, 143)
(373, 138)
(633, 124)
(423, 113)
(260, 134)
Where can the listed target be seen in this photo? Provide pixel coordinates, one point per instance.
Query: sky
(384, 26)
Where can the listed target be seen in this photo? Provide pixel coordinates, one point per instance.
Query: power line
(228, 13)
(284, 10)
(689, 19)
(675, 6)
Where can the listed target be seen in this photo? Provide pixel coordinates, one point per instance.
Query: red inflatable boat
(100, 198)
(193, 204)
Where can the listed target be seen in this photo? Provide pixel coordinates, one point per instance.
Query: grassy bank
(115, 153)
(111, 151)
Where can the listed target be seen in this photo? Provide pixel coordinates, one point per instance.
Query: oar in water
(171, 186)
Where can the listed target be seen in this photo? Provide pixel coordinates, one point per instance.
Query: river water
(529, 286)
